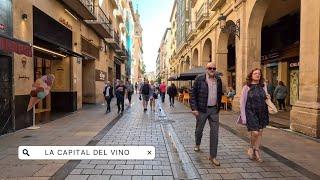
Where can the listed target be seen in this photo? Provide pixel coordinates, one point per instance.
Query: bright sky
(154, 17)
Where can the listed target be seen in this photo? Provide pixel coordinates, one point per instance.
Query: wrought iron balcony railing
(202, 14)
(102, 25)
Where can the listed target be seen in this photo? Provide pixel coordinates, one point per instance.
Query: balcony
(119, 15)
(192, 31)
(114, 41)
(83, 8)
(122, 51)
(102, 25)
(216, 4)
(202, 15)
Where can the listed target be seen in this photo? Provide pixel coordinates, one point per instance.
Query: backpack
(145, 89)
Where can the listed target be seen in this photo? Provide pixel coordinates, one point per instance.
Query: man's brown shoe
(197, 148)
(214, 161)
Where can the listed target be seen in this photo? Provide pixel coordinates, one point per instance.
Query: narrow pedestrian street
(169, 130)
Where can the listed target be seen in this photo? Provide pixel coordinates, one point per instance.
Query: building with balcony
(276, 36)
(137, 56)
(81, 44)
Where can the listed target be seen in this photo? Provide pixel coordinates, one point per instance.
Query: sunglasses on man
(211, 68)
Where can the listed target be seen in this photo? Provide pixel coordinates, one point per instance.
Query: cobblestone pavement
(171, 131)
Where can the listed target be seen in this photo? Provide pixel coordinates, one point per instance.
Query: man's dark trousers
(163, 95)
(108, 100)
(213, 118)
(120, 103)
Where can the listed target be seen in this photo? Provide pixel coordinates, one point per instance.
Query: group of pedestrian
(206, 101)
(121, 91)
(148, 93)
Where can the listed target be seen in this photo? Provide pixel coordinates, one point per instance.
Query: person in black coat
(172, 92)
(120, 93)
(108, 94)
(205, 104)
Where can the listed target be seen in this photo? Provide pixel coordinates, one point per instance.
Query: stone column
(222, 66)
(305, 114)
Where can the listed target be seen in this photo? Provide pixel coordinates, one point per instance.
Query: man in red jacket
(163, 89)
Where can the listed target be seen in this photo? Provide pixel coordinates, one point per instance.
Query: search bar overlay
(86, 152)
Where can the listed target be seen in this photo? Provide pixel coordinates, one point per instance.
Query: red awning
(13, 45)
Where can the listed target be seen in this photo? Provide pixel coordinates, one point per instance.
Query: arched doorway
(195, 58)
(274, 45)
(206, 53)
(226, 57)
(280, 45)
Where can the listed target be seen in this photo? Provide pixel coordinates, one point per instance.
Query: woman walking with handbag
(254, 110)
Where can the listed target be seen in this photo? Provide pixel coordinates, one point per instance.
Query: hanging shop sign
(16, 46)
(101, 75)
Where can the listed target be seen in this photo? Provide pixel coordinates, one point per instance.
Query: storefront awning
(12, 45)
(48, 46)
(191, 74)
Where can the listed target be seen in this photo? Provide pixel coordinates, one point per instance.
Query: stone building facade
(281, 37)
(79, 42)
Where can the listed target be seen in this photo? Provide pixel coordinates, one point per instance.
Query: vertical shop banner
(40, 89)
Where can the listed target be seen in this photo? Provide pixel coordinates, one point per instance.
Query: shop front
(52, 46)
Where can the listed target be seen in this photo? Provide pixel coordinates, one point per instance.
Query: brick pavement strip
(231, 152)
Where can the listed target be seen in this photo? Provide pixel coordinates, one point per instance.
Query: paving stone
(112, 172)
(271, 174)
(141, 177)
(235, 170)
(99, 177)
(217, 171)
(85, 166)
(132, 172)
(251, 175)
(91, 171)
(253, 169)
(231, 176)
(135, 162)
(77, 177)
(163, 178)
(290, 173)
(152, 163)
(152, 172)
(210, 176)
(109, 166)
(117, 162)
(99, 162)
(76, 171)
(124, 166)
(120, 178)
(166, 172)
(143, 167)
(161, 167)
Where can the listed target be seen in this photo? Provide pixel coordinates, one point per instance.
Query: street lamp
(232, 28)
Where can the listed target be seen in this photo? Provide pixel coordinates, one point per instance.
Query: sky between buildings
(155, 17)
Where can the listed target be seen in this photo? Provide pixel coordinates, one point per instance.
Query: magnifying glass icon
(25, 152)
